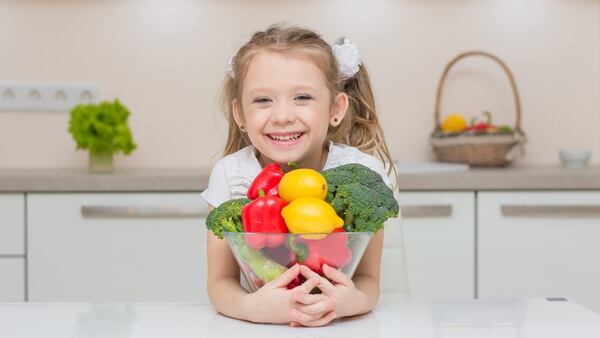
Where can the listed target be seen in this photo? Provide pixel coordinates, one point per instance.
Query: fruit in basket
(505, 129)
(310, 215)
(302, 183)
(454, 123)
(483, 127)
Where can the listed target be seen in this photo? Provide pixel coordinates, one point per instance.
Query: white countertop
(393, 317)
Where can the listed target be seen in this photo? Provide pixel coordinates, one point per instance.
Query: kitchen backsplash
(167, 60)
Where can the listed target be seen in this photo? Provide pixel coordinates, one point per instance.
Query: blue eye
(303, 97)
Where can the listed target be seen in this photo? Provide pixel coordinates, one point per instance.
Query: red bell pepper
(482, 127)
(264, 215)
(331, 250)
(267, 180)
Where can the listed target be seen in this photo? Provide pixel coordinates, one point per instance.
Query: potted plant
(102, 129)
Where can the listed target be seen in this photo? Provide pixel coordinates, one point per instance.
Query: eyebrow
(267, 89)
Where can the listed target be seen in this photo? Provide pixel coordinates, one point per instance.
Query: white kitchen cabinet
(12, 279)
(12, 224)
(439, 229)
(393, 275)
(117, 247)
(540, 244)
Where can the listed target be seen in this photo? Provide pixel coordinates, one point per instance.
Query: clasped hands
(339, 297)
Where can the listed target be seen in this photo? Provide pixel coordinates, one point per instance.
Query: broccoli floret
(359, 195)
(226, 217)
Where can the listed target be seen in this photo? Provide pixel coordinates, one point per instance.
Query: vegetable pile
(286, 217)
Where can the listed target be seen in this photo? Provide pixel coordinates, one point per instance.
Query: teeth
(285, 137)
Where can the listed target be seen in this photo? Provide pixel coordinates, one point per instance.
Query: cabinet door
(393, 275)
(540, 244)
(117, 247)
(12, 224)
(12, 279)
(439, 232)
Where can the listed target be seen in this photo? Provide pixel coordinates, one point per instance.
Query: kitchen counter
(510, 178)
(393, 317)
(122, 180)
(196, 179)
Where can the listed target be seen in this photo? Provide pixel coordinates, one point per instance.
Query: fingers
(308, 273)
(315, 322)
(324, 284)
(307, 298)
(307, 286)
(320, 308)
(324, 320)
(302, 317)
(285, 277)
(337, 276)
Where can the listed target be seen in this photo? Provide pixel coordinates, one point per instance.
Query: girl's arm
(223, 283)
(366, 277)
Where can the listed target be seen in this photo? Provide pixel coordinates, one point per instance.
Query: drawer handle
(98, 211)
(550, 210)
(425, 211)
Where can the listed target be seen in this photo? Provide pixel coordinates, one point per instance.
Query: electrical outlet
(46, 96)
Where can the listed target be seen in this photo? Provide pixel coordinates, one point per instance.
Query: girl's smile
(285, 139)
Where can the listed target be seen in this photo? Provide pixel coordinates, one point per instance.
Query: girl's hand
(273, 302)
(343, 298)
(312, 309)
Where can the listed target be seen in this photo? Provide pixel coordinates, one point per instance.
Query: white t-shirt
(232, 175)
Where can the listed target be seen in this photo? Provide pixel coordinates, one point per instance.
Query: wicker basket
(486, 150)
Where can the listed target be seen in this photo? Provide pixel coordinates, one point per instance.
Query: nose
(283, 114)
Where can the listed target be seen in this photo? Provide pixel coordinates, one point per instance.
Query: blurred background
(166, 60)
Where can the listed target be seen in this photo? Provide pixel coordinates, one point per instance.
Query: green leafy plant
(101, 128)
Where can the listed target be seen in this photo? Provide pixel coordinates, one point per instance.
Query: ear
(237, 114)
(338, 109)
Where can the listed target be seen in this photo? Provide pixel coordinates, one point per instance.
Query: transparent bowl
(263, 257)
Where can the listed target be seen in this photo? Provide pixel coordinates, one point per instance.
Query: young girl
(290, 96)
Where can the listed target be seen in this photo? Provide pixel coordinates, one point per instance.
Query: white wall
(166, 59)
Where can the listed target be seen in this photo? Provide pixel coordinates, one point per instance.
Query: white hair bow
(347, 57)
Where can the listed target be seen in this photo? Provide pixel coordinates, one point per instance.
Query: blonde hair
(359, 128)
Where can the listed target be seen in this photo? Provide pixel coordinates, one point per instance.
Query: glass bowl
(262, 257)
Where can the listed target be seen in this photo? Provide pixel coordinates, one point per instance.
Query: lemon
(310, 215)
(454, 123)
(302, 183)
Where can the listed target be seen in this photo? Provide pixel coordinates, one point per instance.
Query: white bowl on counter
(575, 158)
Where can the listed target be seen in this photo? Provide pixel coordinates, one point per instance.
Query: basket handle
(511, 78)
